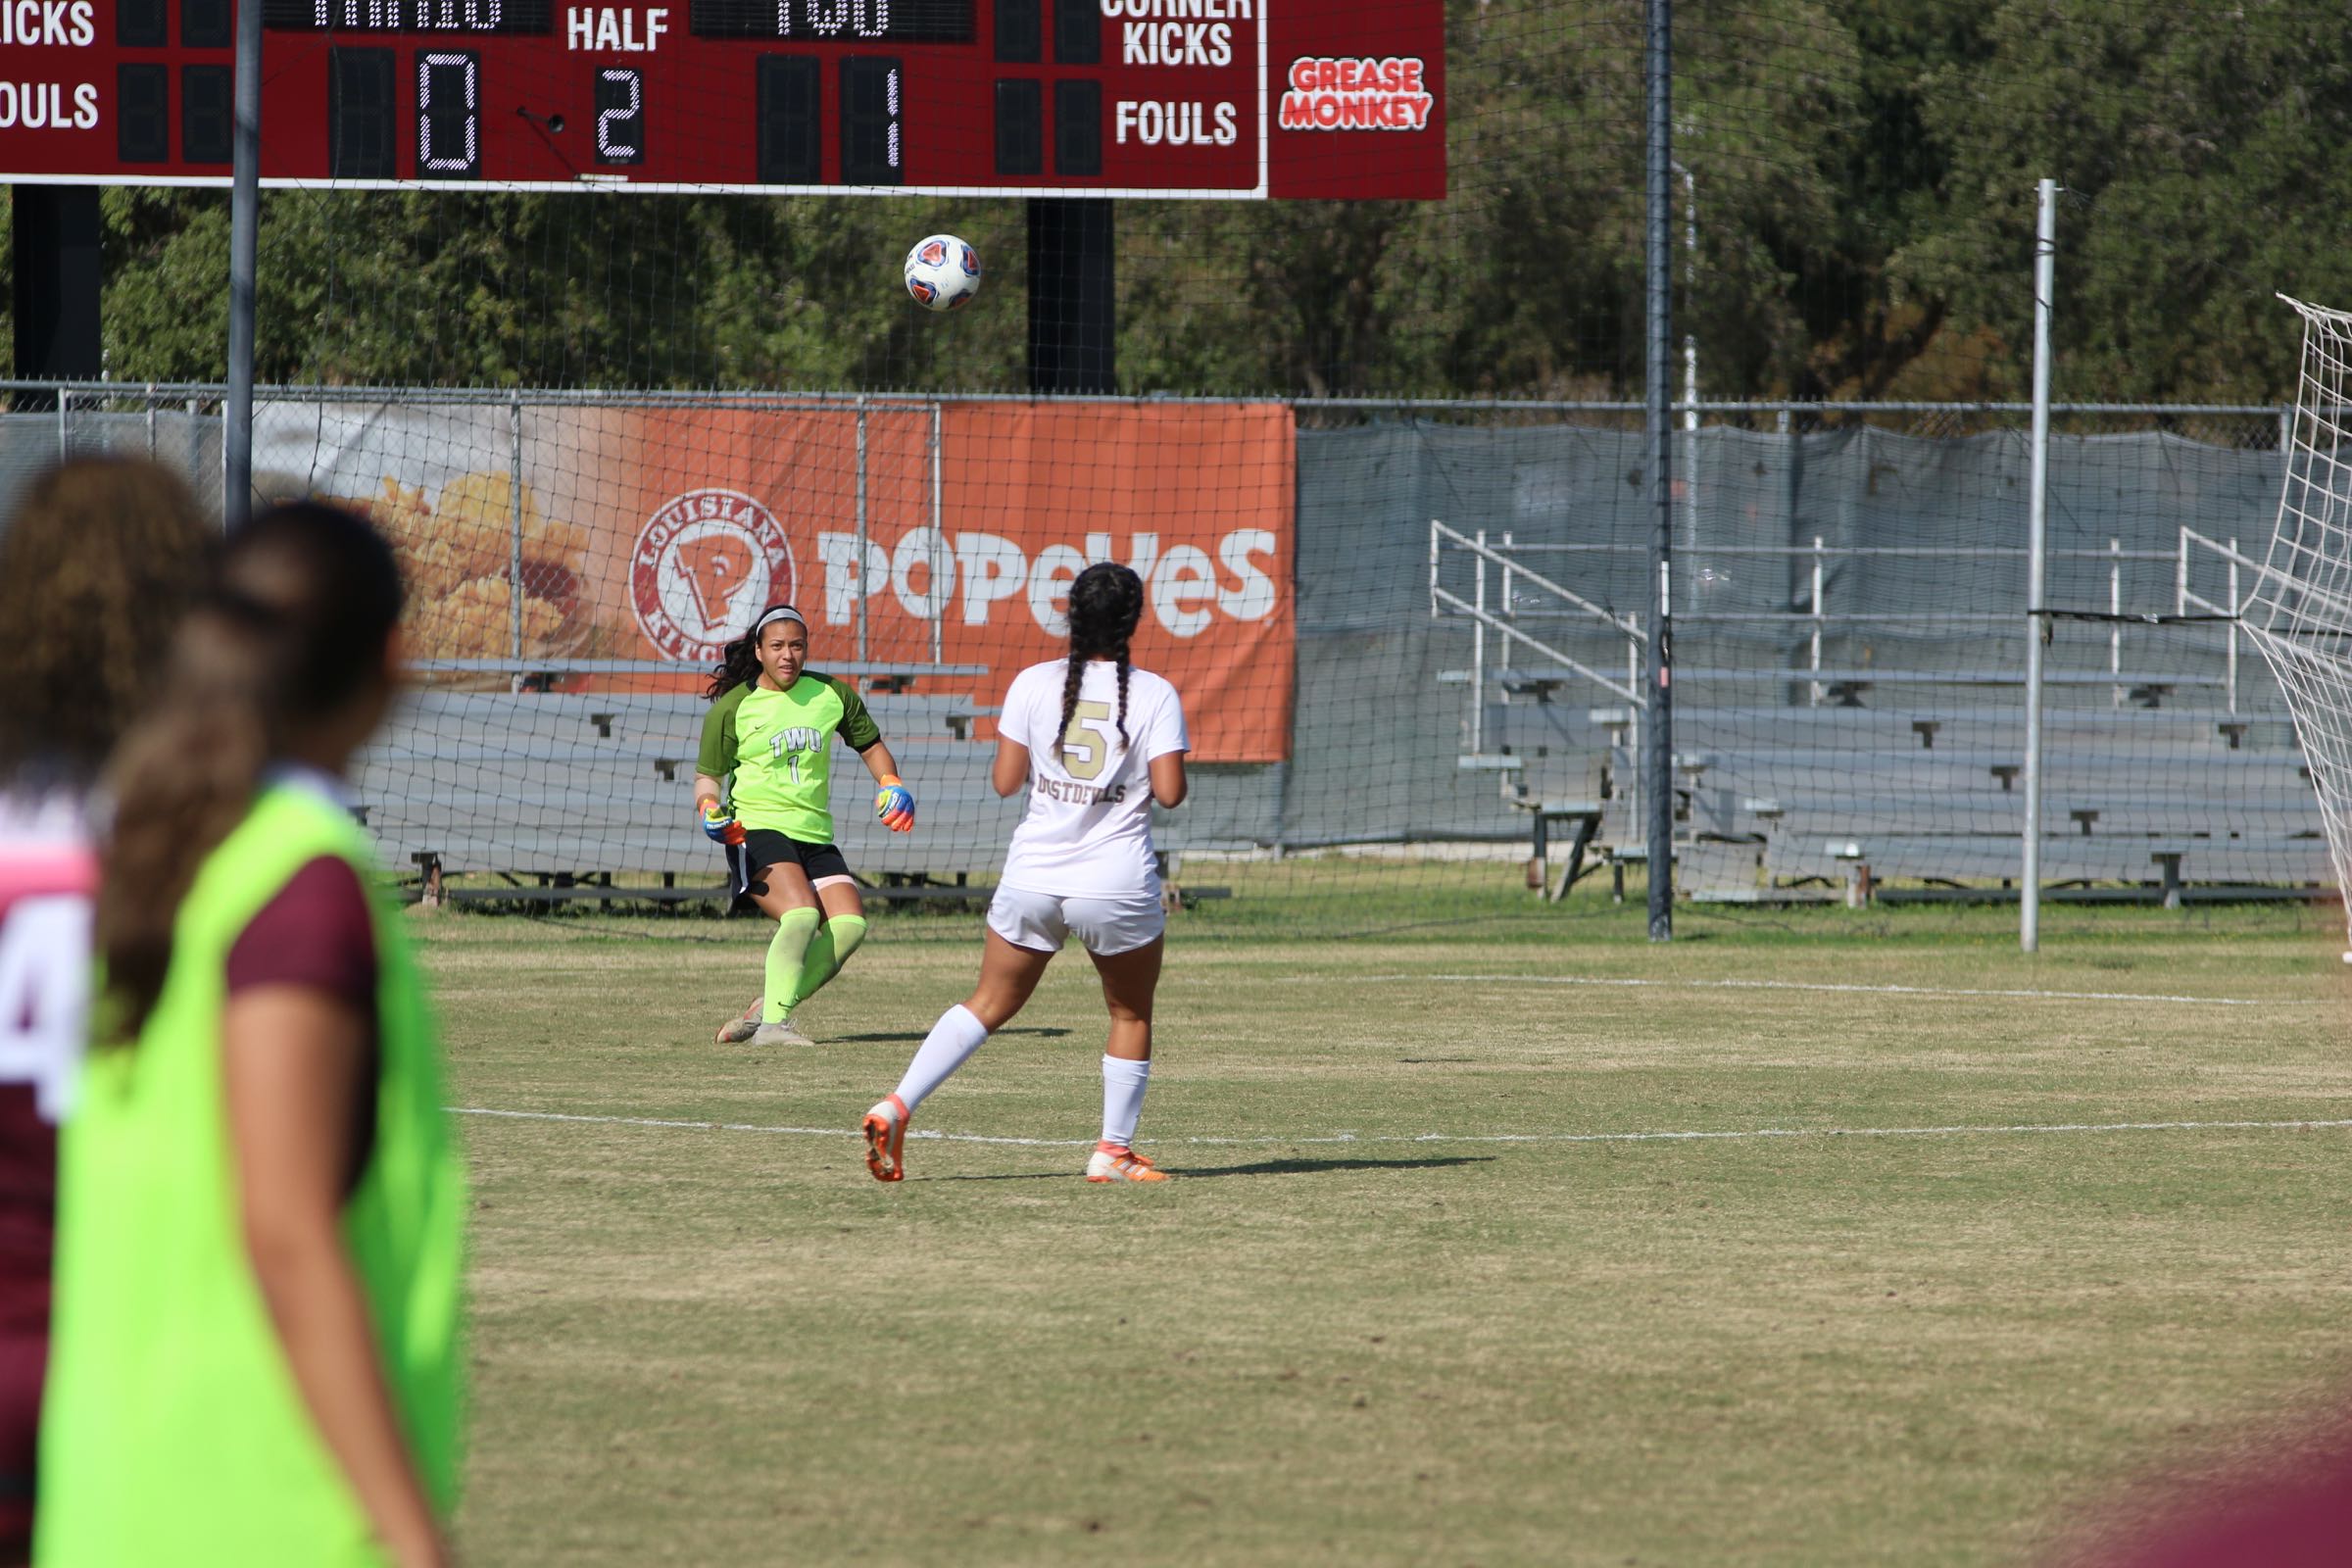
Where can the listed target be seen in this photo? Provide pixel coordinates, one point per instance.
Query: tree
(2200, 151)
(1863, 179)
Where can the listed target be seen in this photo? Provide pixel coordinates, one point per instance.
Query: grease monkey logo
(703, 565)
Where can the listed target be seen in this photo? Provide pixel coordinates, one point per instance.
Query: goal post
(2298, 611)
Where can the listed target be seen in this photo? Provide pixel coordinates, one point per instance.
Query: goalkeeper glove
(719, 826)
(894, 805)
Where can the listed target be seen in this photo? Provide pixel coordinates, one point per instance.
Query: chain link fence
(1466, 601)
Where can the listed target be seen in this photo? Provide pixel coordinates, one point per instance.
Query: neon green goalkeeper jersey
(774, 750)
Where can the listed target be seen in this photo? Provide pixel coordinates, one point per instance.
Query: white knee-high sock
(1123, 1085)
(948, 1046)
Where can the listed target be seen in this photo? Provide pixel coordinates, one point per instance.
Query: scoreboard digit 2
(1239, 99)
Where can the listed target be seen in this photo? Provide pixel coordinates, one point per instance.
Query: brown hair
(100, 561)
(294, 624)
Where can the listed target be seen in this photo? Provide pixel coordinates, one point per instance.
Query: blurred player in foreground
(2276, 1499)
(100, 559)
(769, 742)
(1095, 741)
(259, 1206)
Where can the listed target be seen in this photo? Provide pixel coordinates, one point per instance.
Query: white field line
(2019, 1129)
(1803, 985)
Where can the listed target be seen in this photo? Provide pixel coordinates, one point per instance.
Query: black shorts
(764, 846)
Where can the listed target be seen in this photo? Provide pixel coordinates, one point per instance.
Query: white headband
(773, 614)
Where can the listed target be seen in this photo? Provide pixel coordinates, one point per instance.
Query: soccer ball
(943, 272)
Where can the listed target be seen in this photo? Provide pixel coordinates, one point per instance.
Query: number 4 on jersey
(44, 995)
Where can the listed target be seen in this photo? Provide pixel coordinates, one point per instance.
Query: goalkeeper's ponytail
(295, 627)
(737, 662)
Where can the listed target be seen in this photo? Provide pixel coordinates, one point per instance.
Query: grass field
(1429, 1290)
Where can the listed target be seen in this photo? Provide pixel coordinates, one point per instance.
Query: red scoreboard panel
(1201, 98)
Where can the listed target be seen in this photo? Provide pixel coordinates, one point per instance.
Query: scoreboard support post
(1073, 316)
(57, 277)
(244, 233)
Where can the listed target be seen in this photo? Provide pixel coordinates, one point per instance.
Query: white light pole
(2037, 498)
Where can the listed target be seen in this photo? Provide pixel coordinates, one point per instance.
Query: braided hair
(1106, 602)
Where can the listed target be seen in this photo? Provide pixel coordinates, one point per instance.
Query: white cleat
(780, 1033)
(735, 1031)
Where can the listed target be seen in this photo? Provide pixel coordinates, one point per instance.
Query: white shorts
(1042, 922)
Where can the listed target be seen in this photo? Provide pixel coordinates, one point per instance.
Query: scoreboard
(1241, 99)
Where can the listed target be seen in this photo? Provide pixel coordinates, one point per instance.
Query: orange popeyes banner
(696, 518)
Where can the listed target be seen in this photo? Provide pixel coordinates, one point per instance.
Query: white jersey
(1087, 830)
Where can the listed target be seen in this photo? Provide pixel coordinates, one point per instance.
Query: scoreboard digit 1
(1237, 99)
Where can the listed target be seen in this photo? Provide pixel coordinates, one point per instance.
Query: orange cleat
(1110, 1164)
(885, 1131)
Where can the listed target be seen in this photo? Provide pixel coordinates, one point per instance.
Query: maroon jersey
(47, 874)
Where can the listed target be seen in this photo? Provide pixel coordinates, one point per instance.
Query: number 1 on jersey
(775, 749)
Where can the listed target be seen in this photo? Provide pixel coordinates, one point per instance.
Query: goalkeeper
(763, 789)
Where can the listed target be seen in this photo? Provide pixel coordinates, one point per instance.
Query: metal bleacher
(2165, 773)
(564, 789)
(1936, 798)
(1772, 797)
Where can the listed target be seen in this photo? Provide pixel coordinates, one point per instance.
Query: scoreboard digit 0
(1238, 99)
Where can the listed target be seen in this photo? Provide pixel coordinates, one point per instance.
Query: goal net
(2299, 609)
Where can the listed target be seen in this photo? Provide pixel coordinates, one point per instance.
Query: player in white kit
(1095, 741)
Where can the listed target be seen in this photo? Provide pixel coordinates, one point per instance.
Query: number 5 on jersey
(1086, 744)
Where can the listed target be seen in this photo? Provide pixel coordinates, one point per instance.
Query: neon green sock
(785, 950)
(828, 951)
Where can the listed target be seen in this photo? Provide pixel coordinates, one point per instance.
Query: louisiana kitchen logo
(703, 565)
